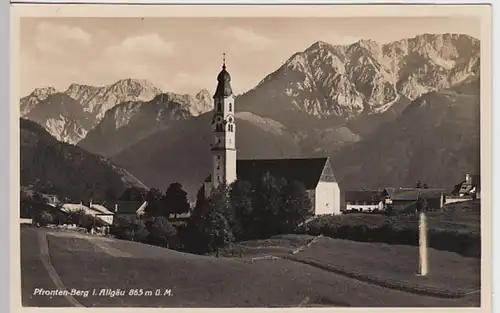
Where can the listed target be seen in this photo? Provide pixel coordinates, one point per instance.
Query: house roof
(73, 207)
(306, 171)
(466, 187)
(364, 195)
(412, 194)
(100, 209)
(128, 207)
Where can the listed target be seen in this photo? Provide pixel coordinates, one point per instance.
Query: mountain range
(387, 114)
(71, 114)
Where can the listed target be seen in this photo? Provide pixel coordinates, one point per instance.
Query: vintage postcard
(259, 156)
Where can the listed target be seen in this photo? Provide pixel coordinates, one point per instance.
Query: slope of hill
(230, 282)
(182, 153)
(54, 167)
(435, 140)
(129, 122)
(63, 116)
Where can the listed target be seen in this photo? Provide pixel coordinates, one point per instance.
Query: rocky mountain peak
(135, 87)
(203, 94)
(44, 92)
(369, 77)
(366, 44)
(38, 94)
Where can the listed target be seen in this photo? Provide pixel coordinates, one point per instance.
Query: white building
(315, 173)
(365, 200)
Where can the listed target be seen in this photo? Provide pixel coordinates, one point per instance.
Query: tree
(87, 221)
(418, 185)
(426, 186)
(37, 197)
(156, 206)
(296, 206)
(161, 232)
(421, 203)
(200, 197)
(133, 194)
(176, 200)
(129, 229)
(219, 230)
(267, 204)
(208, 228)
(74, 217)
(43, 218)
(242, 209)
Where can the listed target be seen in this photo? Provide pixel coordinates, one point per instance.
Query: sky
(184, 55)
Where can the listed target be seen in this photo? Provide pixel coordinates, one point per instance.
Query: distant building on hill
(365, 200)
(315, 173)
(466, 190)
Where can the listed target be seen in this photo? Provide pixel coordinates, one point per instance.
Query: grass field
(88, 263)
(396, 265)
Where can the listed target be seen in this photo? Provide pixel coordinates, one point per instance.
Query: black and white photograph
(211, 156)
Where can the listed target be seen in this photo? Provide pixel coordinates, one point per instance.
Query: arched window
(230, 127)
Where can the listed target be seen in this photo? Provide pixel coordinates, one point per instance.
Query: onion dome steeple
(224, 82)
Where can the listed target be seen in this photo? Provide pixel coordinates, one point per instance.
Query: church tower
(223, 129)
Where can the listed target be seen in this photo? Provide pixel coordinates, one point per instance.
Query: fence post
(423, 245)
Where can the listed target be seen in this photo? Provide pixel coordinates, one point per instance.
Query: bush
(390, 230)
(75, 216)
(87, 222)
(60, 218)
(43, 218)
(133, 229)
(161, 232)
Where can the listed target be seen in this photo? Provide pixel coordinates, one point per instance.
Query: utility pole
(422, 237)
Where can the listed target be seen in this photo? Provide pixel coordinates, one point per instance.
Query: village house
(315, 173)
(96, 210)
(130, 209)
(406, 198)
(134, 209)
(466, 190)
(365, 200)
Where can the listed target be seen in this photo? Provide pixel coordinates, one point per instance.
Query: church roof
(305, 171)
(224, 84)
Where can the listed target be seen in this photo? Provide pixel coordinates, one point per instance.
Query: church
(315, 173)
